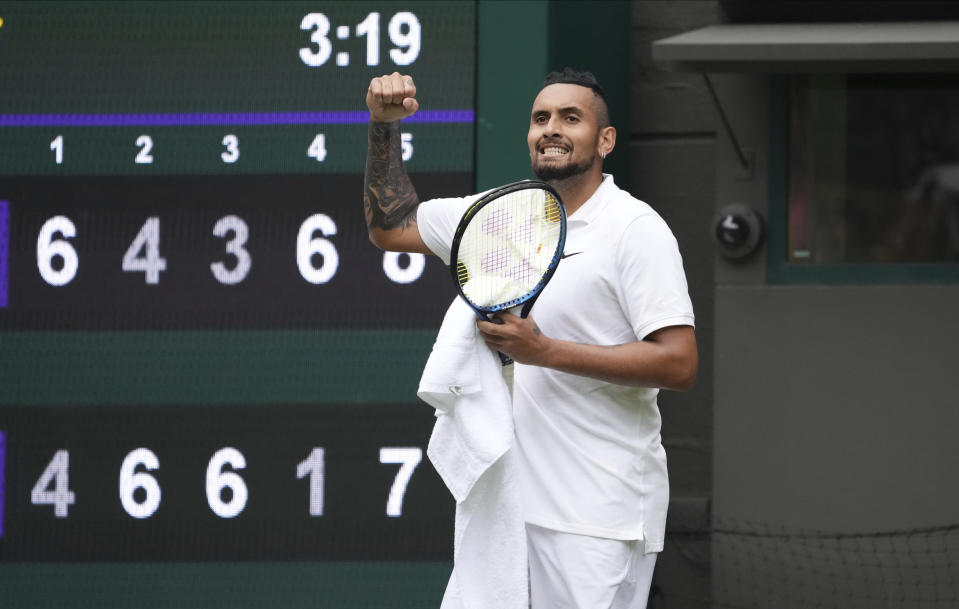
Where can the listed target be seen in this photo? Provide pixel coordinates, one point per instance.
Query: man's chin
(553, 173)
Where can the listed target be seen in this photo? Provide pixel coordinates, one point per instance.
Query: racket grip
(505, 359)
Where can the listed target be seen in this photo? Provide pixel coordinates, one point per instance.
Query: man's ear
(607, 140)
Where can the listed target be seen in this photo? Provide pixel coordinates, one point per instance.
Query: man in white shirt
(614, 326)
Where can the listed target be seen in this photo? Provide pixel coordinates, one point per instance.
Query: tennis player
(612, 328)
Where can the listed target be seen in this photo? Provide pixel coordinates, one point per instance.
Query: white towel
(469, 448)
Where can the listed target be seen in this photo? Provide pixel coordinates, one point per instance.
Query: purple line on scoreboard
(221, 118)
(4, 252)
(3, 478)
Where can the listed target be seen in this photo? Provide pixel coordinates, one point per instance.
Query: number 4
(150, 263)
(57, 474)
(317, 149)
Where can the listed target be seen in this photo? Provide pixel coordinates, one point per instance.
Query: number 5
(406, 146)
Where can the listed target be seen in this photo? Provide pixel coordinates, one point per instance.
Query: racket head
(507, 246)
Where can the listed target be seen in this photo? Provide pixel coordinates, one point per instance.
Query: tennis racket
(507, 247)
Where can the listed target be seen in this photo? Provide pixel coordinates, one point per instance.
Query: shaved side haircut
(569, 76)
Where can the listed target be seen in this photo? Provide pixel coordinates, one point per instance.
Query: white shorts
(568, 571)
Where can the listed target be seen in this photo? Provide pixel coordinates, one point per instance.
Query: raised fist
(391, 98)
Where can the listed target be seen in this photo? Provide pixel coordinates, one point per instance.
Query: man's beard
(549, 173)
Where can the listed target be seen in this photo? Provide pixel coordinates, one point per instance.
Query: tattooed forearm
(388, 195)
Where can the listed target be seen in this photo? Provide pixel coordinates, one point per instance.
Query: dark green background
(216, 56)
(517, 43)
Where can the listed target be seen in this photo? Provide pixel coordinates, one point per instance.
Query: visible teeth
(552, 150)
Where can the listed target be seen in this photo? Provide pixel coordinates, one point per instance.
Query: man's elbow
(687, 379)
(378, 238)
(684, 373)
(398, 240)
(387, 240)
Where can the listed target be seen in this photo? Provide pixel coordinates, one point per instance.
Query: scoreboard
(197, 164)
(206, 369)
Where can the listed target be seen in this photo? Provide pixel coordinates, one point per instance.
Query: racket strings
(508, 247)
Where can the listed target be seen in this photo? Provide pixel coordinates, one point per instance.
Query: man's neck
(578, 189)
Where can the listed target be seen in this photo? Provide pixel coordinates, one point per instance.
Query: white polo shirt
(590, 453)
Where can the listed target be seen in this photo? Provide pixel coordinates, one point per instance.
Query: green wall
(519, 43)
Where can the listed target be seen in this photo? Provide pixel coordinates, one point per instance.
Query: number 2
(145, 144)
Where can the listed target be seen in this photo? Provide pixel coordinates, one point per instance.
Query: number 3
(235, 247)
(320, 25)
(232, 153)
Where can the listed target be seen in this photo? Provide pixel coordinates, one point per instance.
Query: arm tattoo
(389, 199)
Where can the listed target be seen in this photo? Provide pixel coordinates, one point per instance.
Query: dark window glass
(873, 169)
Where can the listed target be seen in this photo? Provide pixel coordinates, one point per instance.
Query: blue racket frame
(530, 297)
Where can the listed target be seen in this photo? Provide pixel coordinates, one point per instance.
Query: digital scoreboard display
(206, 369)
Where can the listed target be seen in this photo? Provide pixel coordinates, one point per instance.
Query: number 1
(57, 147)
(370, 27)
(314, 466)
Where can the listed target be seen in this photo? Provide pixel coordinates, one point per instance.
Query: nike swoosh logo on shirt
(568, 255)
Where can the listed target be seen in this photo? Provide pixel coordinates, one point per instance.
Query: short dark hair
(569, 76)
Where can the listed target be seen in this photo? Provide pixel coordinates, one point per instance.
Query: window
(872, 171)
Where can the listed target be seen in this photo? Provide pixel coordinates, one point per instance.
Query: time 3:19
(404, 30)
(230, 154)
